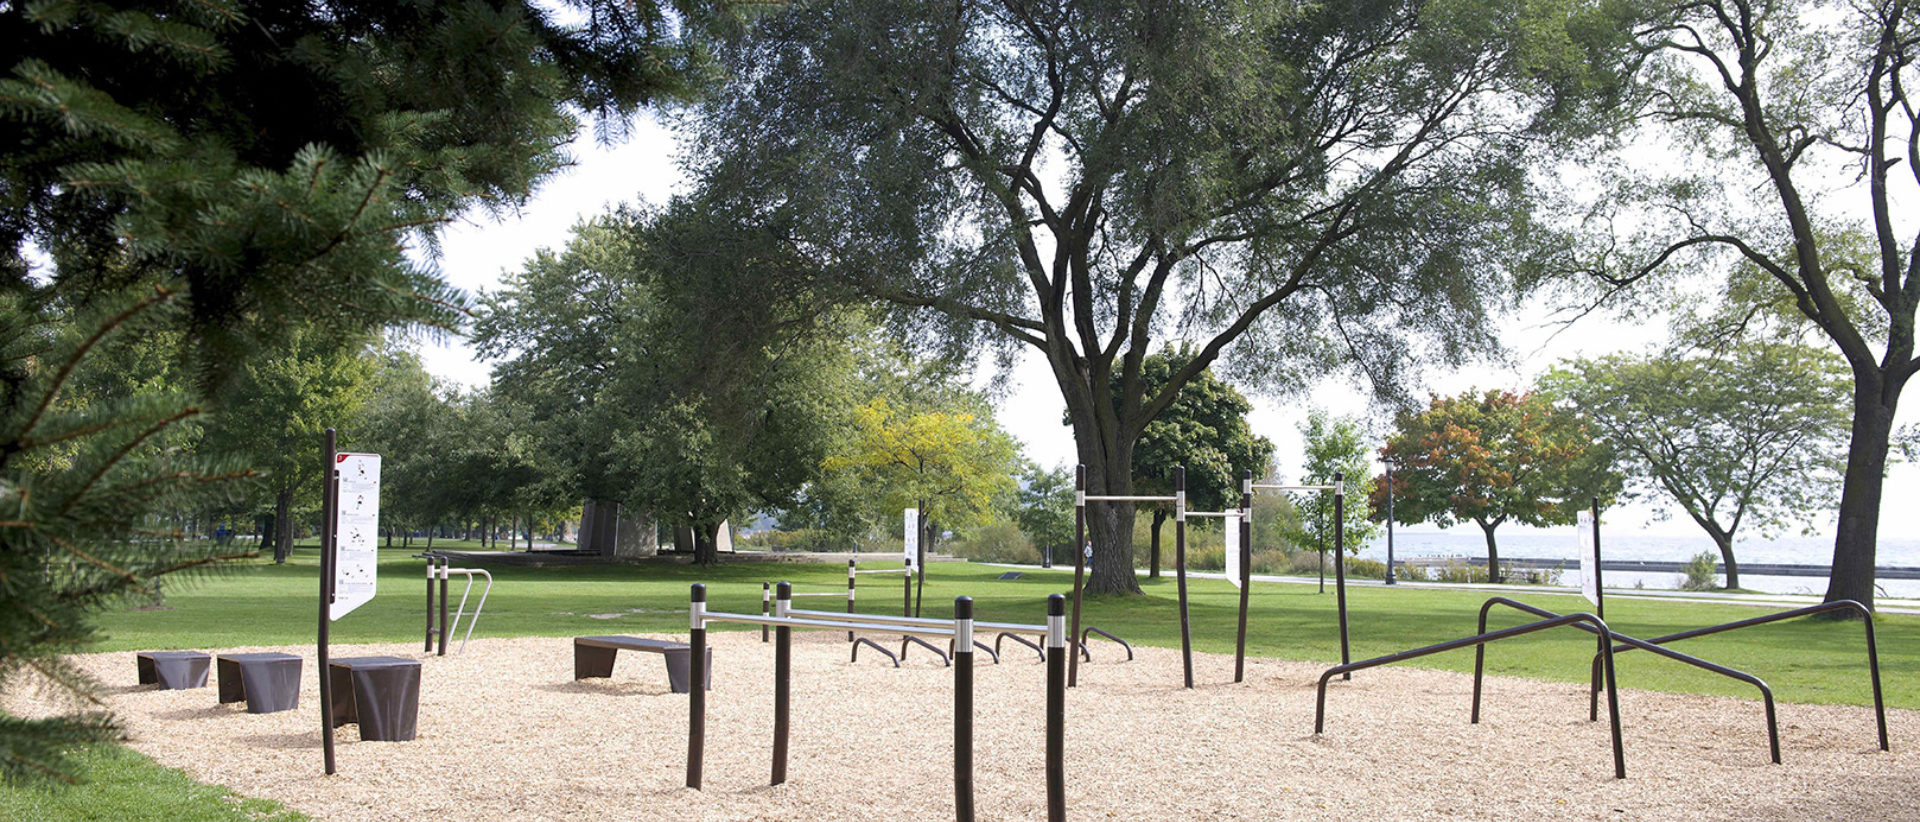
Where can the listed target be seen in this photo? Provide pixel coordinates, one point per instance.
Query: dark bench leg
(145, 667)
(233, 686)
(589, 661)
(677, 673)
(344, 709)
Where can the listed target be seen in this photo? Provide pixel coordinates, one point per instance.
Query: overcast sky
(477, 251)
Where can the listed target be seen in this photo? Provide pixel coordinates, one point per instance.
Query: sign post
(349, 557)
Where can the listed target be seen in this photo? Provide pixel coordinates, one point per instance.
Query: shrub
(1702, 573)
(997, 542)
(1206, 559)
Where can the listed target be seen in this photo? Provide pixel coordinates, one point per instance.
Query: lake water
(1565, 545)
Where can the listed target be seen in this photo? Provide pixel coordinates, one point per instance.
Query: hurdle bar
(1080, 556)
(961, 630)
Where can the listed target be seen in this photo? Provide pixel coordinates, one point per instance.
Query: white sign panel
(1589, 558)
(1233, 550)
(356, 531)
(912, 531)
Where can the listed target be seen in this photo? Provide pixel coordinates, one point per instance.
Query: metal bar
(1246, 573)
(1091, 498)
(1180, 569)
(444, 580)
(782, 686)
(1217, 514)
(1766, 693)
(909, 639)
(841, 625)
(1297, 487)
(1091, 629)
(963, 709)
(1599, 590)
(1056, 709)
(915, 621)
(1020, 639)
(852, 577)
(429, 559)
(696, 687)
(328, 503)
(882, 570)
(462, 610)
(874, 645)
(1873, 653)
(1080, 549)
(1613, 694)
(1340, 562)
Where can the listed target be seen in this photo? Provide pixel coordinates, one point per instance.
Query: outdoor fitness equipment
(853, 573)
(1339, 489)
(1080, 557)
(444, 574)
(784, 619)
(1598, 595)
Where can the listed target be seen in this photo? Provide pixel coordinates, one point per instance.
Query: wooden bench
(593, 657)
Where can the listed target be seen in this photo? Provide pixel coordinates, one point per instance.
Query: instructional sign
(911, 528)
(356, 531)
(1589, 558)
(1233, 549)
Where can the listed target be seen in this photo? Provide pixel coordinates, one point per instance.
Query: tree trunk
(1493, 554)
(1109, 524)
(1725, 544)
(283, 526)
(1856, 540)
(706, 547)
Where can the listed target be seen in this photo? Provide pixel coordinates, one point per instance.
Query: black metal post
(766, 603)
(1340, 562)
(1079, 561)
(1180, 568)
(1246, 572)
(445, 580)
(926, 534)
(429, 648)
(328, 503)
(963, 709)
(1389, 463)
(1057, 708)
(782, 682)
(851, 576)
(696, 687)
(906, 600)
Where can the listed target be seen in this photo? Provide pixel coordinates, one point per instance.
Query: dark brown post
(782, 682)
(766, 602)
(850, 579)
(1180, 567)
(1057, 707)
(696, 687)
(1246, 572)
(445, 579)
(327, 504)
(1340, 562)
(920, 562)
(963, 709)
(1079, 562)
(429, 648)
(906, 602)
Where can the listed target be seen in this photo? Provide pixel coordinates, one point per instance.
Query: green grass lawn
(119, 785)
(1812, 660)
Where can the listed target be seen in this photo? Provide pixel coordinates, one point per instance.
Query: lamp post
(1387, 460)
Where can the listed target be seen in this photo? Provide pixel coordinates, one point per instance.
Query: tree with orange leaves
(1491, 458)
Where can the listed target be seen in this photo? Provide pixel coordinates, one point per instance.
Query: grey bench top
(632, 643)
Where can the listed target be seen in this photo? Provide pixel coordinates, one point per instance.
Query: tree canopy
(1748, 435)
(1335, 447)
(1325, 185)
(1495, 457)
(1793, 134)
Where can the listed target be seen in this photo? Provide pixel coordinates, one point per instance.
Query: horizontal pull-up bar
(911, 621)
(1298, 487)
(1092, 498)
(880, 571)
(1219, 514)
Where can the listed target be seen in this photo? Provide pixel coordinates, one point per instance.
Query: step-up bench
(593, 657)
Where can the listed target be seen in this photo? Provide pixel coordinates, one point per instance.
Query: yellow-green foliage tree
(951, 463)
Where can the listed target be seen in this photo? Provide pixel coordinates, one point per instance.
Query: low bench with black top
(593, 657)
(269, 682)
(172, 670)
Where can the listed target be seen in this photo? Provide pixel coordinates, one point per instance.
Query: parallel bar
(963, 709)
(1180, 566)
(697, 699)
(915, 621)
(1057, 662)
(782, 685)
(841, 625)
(1613, 695)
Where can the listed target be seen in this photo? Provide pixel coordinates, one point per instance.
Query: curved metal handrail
(1627, 642)
(1090, 629)
(1613, 692)
(1020, 639)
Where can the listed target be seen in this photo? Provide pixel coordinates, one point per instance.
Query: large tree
(1793, 129)
(1325, 185)
(226, 171)
(1205, 431)
(1492, 458)
(1744, 435)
